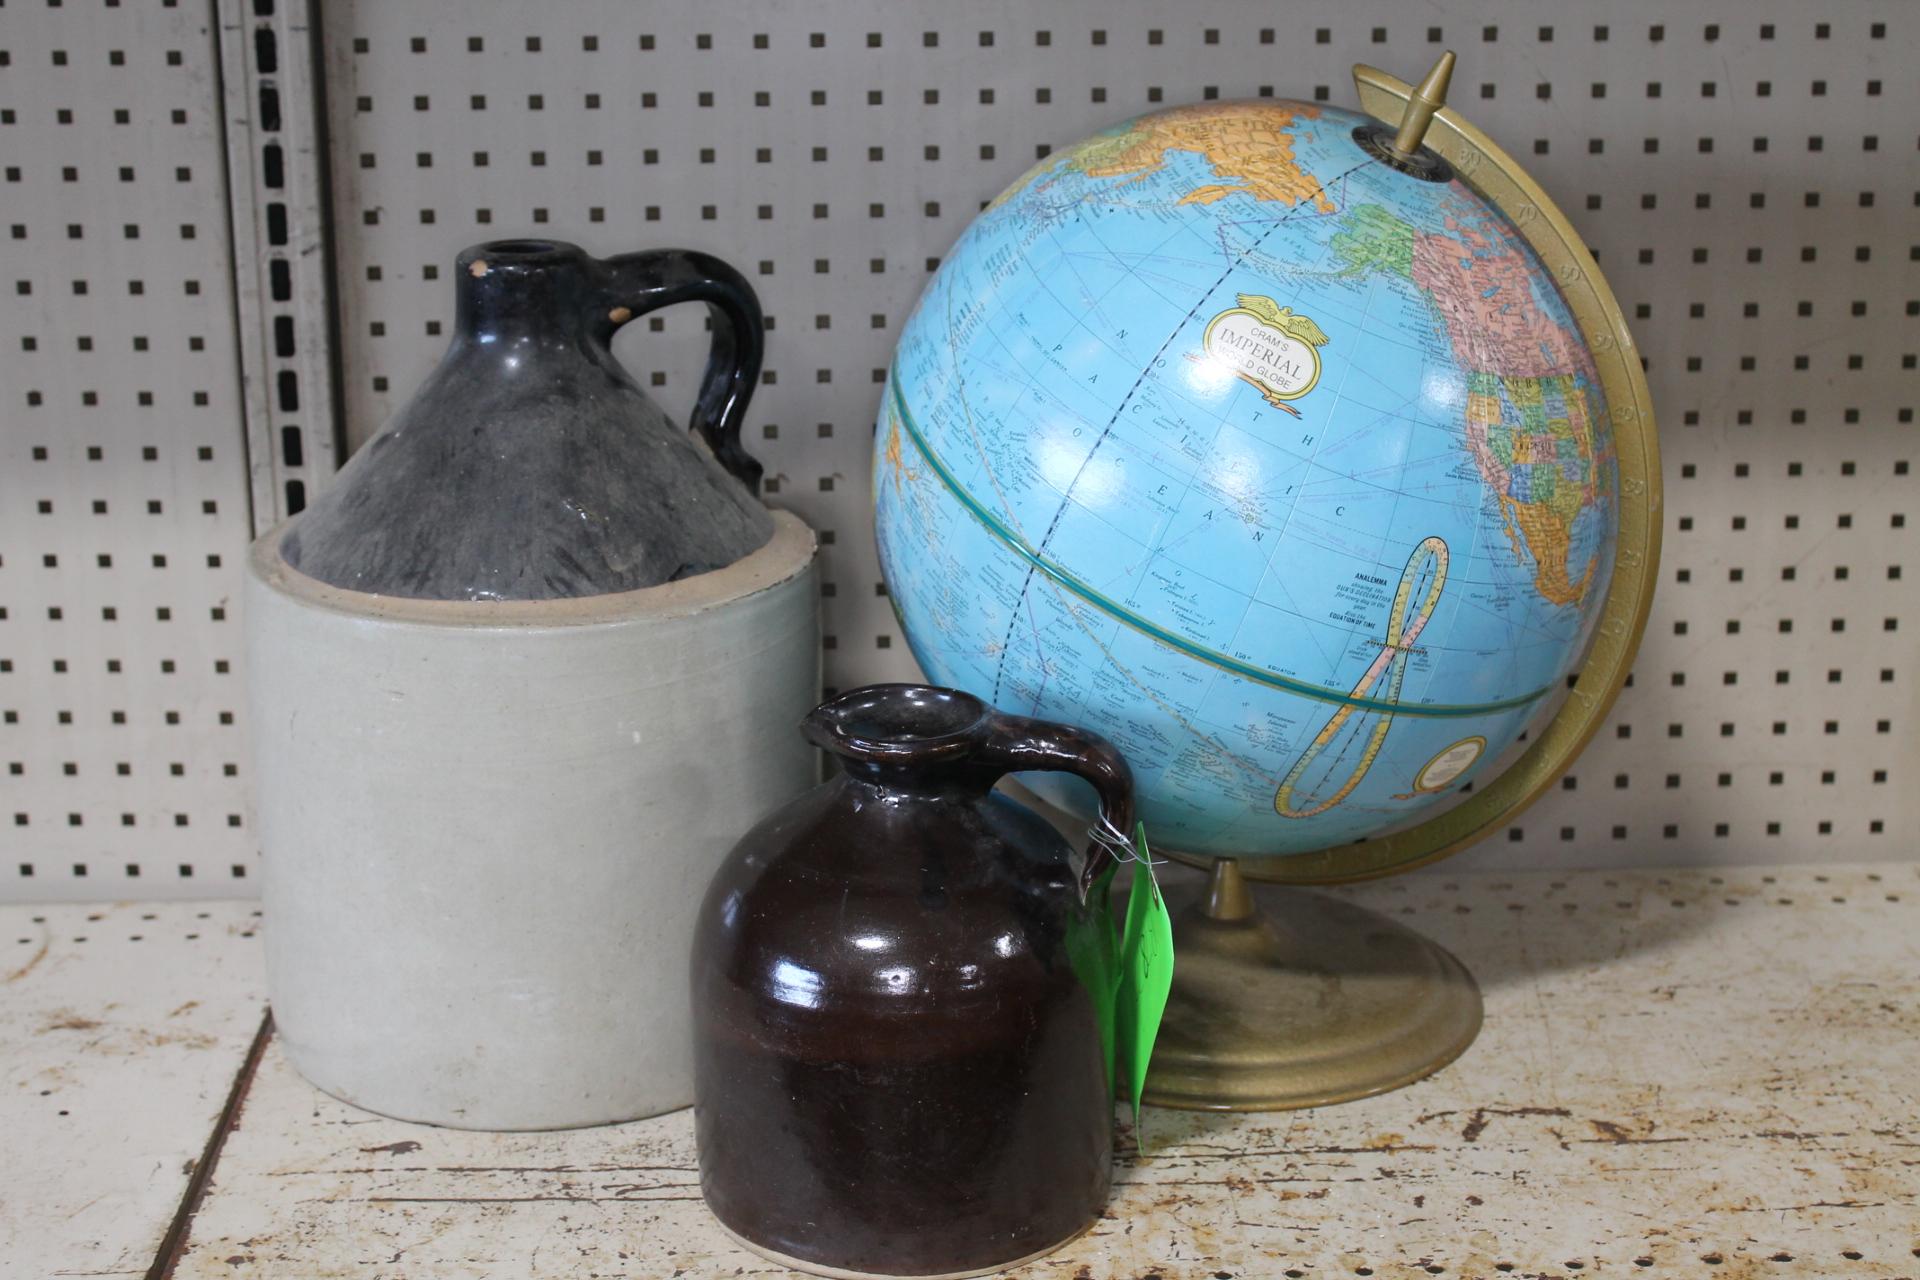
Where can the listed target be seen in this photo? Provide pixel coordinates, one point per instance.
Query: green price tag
(1146, 972)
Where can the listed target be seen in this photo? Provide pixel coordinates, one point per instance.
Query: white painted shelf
(122, 1030)
(1682, 1074)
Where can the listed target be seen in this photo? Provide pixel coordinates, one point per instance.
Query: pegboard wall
(124, 504)
(1749, 180)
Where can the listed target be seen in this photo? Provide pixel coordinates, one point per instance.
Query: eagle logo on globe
(1270, 347)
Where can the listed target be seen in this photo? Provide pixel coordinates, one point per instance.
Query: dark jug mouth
(521, 253)
(545, 286)
(902, 723)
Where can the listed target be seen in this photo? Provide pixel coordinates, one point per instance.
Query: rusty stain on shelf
(33, 962)
(67, 1020)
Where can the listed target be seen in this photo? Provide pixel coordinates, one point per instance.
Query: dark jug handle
(1017, 744)
(636, 283)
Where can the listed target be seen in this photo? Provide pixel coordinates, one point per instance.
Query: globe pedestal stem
(1286, 998)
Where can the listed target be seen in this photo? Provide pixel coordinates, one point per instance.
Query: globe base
(1284, 998)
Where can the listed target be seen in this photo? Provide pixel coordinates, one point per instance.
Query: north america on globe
(1285, 470)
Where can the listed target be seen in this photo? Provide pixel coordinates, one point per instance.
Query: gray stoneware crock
(519, 678)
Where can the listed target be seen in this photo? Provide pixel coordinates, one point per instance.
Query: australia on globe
(1288, 471)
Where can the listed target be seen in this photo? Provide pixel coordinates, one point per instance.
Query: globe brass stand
(1286, 998)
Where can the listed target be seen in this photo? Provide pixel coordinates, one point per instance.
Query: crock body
(486, 827)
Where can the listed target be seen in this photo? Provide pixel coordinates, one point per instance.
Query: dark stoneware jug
(529, 466)
(897, 1070)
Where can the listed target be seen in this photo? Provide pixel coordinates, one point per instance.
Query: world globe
(1285, 467)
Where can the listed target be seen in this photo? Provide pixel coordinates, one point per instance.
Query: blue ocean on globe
(1285, 470)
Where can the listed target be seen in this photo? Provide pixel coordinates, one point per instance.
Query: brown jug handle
(1017, 744)
(637, 283)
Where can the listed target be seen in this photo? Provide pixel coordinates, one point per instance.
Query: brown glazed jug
(897, 1070)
